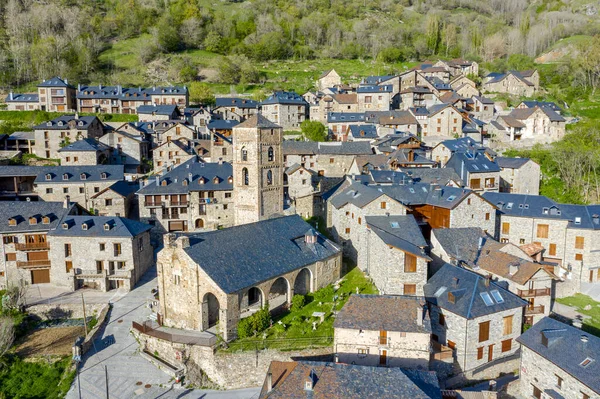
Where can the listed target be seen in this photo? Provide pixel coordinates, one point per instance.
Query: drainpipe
(466, 340)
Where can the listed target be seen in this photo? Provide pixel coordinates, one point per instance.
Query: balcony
(179, 203)
(208, 201)
(116, 274)
(89, 273)
(490, 186)
(33, 264)
(534, 292)
(534, 310)
(384, 341)
(33, 246)
(153, 203)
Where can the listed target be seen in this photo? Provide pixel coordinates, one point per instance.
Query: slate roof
(338, 380)
(291, 147)
(285, 97)
(389, 177)
(391, 118)
(384, 312)
(399, 231)
(85, 145)
(401, 157)
(129, 93)
(23, 210)
(337, 117)
(258, 121)
(511, 121)
(375, 89)
(420, 194)
(176, 177)
(441, 176)
(375, 161)
(122, 187)
(63, 122)
(93, 173)
(158, 109)
(498, 77)
(542, 104)
(363, 131)
(525, 113)
(357, 194)
(511, 163)
(467, 287)
(566, 349)
(221, 124)
(240, 257)
(375, 80)
(22, 98)
(70, 226)
(235, 102)
(472, 162)
(21, 170)
(22, 136)
(484, 100)
(55, 82)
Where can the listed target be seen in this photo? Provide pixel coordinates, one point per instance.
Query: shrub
(258, 322)
(324, 294)
(297, 302)
(244, 328)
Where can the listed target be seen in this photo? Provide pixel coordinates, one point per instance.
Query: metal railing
(534, 292)
(179, 203)
(33, 263)
(32, 246)
(152, 329)
(535, 309)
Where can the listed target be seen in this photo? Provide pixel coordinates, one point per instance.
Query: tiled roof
(98, 226)
(122, 187)
(484, 100)
(542, 104)
(379, 161)
(157, 109)
(337, 117)
(285, 97)
(55, 82)
(375, 80)
(420, 194)
(291, 147)
(22, 136)
(399, 231)
(21, 170)
(65, 121)
(22, 211)
(79, 174)
(567, 347)
(384, 312)
(85, 145)
(242, 256)
(363, 131)
(129, 93)
(440, 176)
(511, 121)
(236, 102)
(338, 380)
(402, 157)
(258, 121)
(511, 163)
(191, 176)
(525, 113)
(22, 98)
(466, 288)
(391, 118)
(357, 194)
(472, 162)
(375, 89)
(221, 124)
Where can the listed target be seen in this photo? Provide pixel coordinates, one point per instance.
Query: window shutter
(484, 331)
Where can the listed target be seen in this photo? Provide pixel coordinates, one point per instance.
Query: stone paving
(129, 375)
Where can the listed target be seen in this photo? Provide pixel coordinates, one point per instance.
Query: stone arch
(270, 154)
(279, 295)
(211, 309)
(255, 297)
(269, 178)
(304, 282)
(244, 154)
(199, 223)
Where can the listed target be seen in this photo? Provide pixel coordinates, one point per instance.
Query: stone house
(102, 252)
(519, 175)
(79, 183)
(305, 379)
(56, 95)
(523, 83)
(51, 136)
(179, 131)
(558, 360)
(376, 98)
(483, 108)
(540, 124)
(505, 263)
(461, 80)
(127, 100)
(203, 286)
(542, 104)
(221, 146)
(363, 133)
(474, 317)
(396, 258)
(435, 72)
(338, 123)
(384, 80)
(568, 234)
(198, 117)
(299, 182)
(467, 91)
(129, 147)
(442, 120)
(331, 159)
(391, 143)
(150, 113)
(85, 152)
(235, 108)
(383, 330)
(115, 200)
(171, 154)
(22, 102)
(286, 109)
(459, 67)
(444, 150)
(477, 169)
(339, 102)
(328, 79)
(392, 122)
(417, 96)
(24, 227)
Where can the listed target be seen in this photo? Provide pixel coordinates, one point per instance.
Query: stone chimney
(420, 315)
(513, 268)
(169, 240)
(67, 202)
(183, 242)
(10, 95)
(486, 280)
(78, 86)
(269, 382)
(100, 86)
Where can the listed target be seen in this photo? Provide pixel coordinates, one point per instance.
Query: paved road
(118, 351)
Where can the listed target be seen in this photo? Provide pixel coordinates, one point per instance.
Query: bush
(297, 302)
(258, 322)
(324, 294)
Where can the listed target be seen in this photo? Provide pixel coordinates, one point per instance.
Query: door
(383, 358)
(490, 352)
(531, 303)
(537, 393)
(591, 276)
(175, 226)
(40, 276)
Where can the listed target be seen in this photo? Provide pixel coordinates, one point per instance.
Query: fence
(154, 330)
(283, 344)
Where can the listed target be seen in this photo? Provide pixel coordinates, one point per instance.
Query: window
(67, 249)
(552, 250)
(542, 231)
(9, 239)
(108, 202)
(410, 289)
(487, 299)
(505, 228)
(579, 242)
(102, 246)
(120, 265)
(507, 323)
(176, 279)
(270, 156)
(11, 257)
(469, 199)
(331, 160)
(363, 353)
(99, 266)
(559, 381)
(96, 189)
(244, 154)
(347, 230)
(484, 331)
(506, 345)
(245, 179)
(441, 319)
(269, 178)
(48, 191)
(383, 205)
(585, 395)
(224, 207)
(579, 257)
(68, 266)
(480, 353)
(586, 362)
(117, 249)
(410, 263)
(497, 296)
(359, 220)
(81, 190)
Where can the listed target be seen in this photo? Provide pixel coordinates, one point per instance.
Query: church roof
(258, 121)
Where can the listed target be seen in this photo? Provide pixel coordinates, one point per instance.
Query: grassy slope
(580, 301)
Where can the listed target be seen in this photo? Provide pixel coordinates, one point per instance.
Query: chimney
(78, 86)
(596, 219)
(184, 242)
(420, 315)
(190, 177)
(513, 268)
(158, 180)
(76, 115)
(269, 382)
(310, 237)
(67, 202)
(480, 243)
(66, 81)
(309, 383)
(10, 95)
(100, 86)
(486, 280)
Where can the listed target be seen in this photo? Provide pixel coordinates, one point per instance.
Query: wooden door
(383, 358)
(490, 352)
(40, 276)
(382, 337)
(531, 303)
(537, 393)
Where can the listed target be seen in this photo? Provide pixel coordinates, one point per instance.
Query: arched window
(245, 177)
(244, 154)
(270, 154)
(269, 178)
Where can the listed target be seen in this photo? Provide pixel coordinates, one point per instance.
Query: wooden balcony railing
(179, 203)
(31, 264)
(385, 341)
(534, 310)
(153, 203)
(32, 246)
(534, 292)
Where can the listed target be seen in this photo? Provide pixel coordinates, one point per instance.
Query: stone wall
(79, 191)
(65, 310)
(474, 211)
(78, 157)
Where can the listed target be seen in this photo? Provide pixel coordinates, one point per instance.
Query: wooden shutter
(480, 353)
(11, 256)
(484, 331)
(552, 250)
(506, 345)
(505, 228)
(410, 289)
(508, 323)
(542, 231)
(410, 263)
(68, 266)
(579, 241)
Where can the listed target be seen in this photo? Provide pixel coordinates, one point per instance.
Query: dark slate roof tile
(291, 147)
(98, 226)
(399, 231)
(285, 97)
(236, 102)
(73, 174)
(21, 211)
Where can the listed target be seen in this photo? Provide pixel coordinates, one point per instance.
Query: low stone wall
(499, 367)
(102, 319)
(227, 370)
(64, 311)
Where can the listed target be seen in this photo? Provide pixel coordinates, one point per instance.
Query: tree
(313, 130)
(7, 334)
(433, 32)
(201, 93)
(167, 35)
(390, 55)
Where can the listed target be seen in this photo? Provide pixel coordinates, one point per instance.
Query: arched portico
(304, 282)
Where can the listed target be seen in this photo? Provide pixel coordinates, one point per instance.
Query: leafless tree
(7, 334)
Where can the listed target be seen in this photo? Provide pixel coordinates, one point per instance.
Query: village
(225, 249)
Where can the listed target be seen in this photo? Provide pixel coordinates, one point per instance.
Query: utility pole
(84, 317)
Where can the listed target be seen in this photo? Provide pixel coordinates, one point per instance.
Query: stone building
(558, 360)
(286, 109)
(129, 146)
(384, 80)
(322, 380)
(56, 95)
(328, 79)
(442, 120)
(483, 108)
(257, 170)
(540, 124)
(235, 108)
(519, 175)
(331, 159)
(338, 123)
(171, 154)
(459, 67)
(180, 131)
(417, 96)
(443, 151)
(24, 227)
(22, 102)
(51, 136)
(101, 252)
(153, 113)
(340, 102)
(381, 330)
(376, 98)
(203, 286)
(505, 263)
(115, 200)
(477, 169)
(524, 83)
(396, 258)
(85, 152)
(474, 317)
(80, 183)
